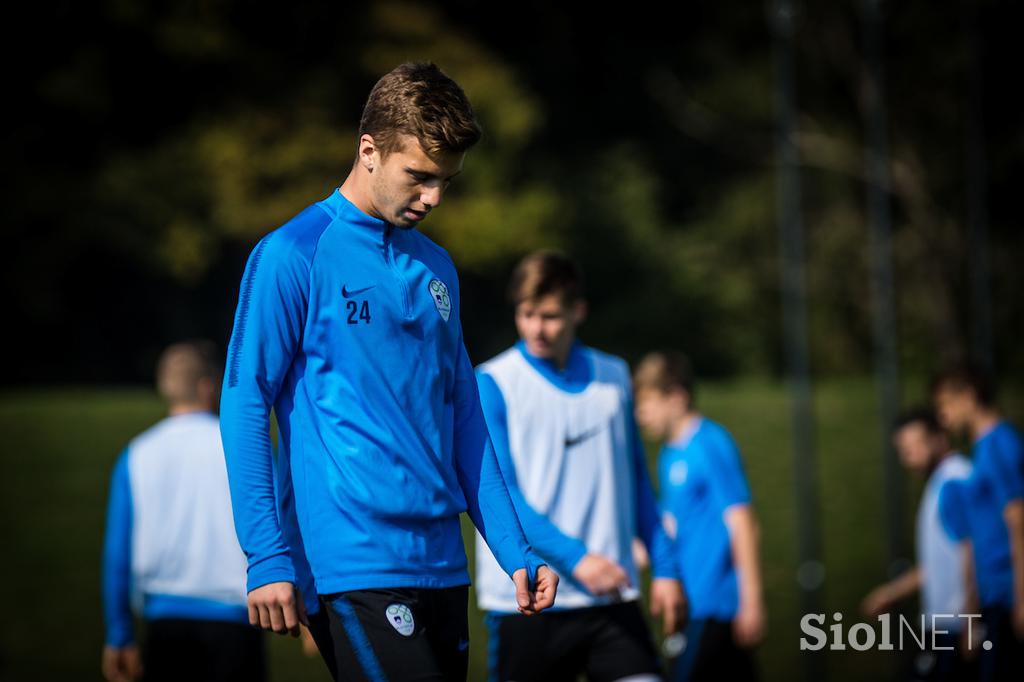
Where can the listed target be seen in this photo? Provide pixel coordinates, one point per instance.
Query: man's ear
(579, 312)
(369, 155)
(208, 389)
(682, 396)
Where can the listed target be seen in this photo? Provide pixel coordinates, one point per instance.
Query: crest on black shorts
(400, 617)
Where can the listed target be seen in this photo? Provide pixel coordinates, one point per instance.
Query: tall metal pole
(882, 289)
(977, 203)
(811, 572)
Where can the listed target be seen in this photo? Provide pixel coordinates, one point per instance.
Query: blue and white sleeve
(648, 516)
(117, 558)
(1007, 464)
(268, 327)
(562, 551)
(481, 480)
(952, 509)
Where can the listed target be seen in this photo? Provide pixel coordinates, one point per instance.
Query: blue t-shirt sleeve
(271, 313)
(480, 477)
(649, 526)
(728, 482)
(561, 550)
(953, 509)
(666, 490)
(117, 557)
(1006, 466)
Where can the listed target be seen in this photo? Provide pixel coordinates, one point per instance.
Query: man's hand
(277, 607)
(669, 602)
(541, 598)
(641, 559)
(878, 601)
(748, 625)
(121, 664)
(600, 575)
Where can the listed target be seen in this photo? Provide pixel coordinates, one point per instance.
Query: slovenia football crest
(400, 617)
(439, 292)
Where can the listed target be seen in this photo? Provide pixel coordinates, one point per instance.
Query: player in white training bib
(561, 419)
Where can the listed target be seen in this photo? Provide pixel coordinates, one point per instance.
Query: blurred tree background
(150, 145)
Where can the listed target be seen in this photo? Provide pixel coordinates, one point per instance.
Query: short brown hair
(418, 99)
(182, 366)
(925, 416)
(665, 371)
(967, 378)
(546, 272)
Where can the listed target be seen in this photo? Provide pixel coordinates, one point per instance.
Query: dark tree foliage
(149, 145)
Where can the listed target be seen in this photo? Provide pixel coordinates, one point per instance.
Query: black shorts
(603, 642)
(711, 653)
(187, 649)
(1004, 659)
(394, 634)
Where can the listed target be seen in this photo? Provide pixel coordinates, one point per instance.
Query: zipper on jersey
(403, 286)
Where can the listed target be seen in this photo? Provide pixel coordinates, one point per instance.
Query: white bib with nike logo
(574, 464)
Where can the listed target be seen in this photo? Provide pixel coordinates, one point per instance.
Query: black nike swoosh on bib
(349, 294)
(572, 441)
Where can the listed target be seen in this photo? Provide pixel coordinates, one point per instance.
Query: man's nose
(431, 196)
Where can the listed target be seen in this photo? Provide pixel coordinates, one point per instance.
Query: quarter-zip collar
(384, 234)
(342, 207)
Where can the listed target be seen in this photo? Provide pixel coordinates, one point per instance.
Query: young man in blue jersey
(939, 573)
(708, 512)
(348, 328)
(561, 418)
(170, 549)
(987, 510)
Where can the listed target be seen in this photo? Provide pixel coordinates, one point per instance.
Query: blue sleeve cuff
(273, 569)
(120, 636)
(574, 557)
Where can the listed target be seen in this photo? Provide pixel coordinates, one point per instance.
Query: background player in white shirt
(170, 549)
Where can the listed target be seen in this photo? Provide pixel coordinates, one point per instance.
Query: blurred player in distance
(708, 512)
(988, 510)
(939, 573)
(170, 548)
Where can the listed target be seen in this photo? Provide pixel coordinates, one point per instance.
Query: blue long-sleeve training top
(348, 327)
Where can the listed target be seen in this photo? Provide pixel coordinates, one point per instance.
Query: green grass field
(61, 445)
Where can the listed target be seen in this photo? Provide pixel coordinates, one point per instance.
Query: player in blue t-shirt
(707, 508)
(348, 327)
(988, 510)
